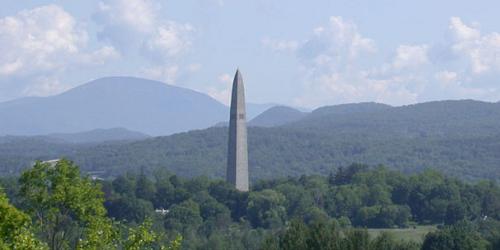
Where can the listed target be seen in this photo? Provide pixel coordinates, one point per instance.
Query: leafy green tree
(184, 217)
(67, 209)
(490, 230)
(386, 241)
(226, 194)
(460, 236)
(266, 208)
(455, 212)
(15, 230)
(315, 215)
(130, 209)
(344, 200)
(295, 237)
(141, 237)
(344, 175)
(323, 236)
(356, 239)
(145, 188)
(490, 199)
(164, 196)
(125, 184)
(144, 237)
(298, 200)
(197, 184)
(215, 215)
(270, 243)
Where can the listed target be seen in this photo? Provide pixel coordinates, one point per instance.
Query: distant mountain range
(136, 104)
(459, 138)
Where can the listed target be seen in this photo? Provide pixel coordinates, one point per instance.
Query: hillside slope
(100, 135)
(276, 116)
(460, 138)
(136, 104)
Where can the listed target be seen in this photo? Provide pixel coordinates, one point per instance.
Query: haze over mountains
(459, 138)
(142, 105)
(105, 125)
(136, 104)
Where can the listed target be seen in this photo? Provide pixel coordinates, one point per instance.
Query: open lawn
(408, 234)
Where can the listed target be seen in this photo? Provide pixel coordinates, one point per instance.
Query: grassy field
(414, 234)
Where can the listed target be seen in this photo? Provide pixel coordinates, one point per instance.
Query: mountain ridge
(277, 116)
(137, 104)
(459, 138)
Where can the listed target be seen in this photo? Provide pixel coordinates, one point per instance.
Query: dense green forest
(459, 138)
(53, 206)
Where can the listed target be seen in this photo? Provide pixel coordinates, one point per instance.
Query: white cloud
(137, 25)
(41, 43)
(44, 39)
(100, 56)
(225, 78)
(170, 39)
(344, 37)
(172, 73)
(221, 95)
(409, 56)
(38, 39)
(167, 74)
(333, 61)
(462, 32)
(45, 86)
(222, 91)
(138, 15)
(446, 77)
(482, 51)
(359, 86)
(334, 47)
(338, 66)
(10, 68)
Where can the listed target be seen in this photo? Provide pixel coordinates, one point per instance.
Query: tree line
(56, 207)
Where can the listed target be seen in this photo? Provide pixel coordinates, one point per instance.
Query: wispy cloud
(37, 43)
(335, 62)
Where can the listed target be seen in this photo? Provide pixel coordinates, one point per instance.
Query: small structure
(162, 211)
(52, 163)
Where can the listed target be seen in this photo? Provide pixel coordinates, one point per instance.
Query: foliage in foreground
(66, 211)
(59, 209)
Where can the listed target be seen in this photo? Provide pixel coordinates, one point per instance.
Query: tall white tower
(237, 157)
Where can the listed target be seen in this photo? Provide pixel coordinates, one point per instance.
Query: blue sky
(299, 53)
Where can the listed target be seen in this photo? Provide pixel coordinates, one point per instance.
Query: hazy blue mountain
(136, 104)
(100, 135)
(255, 109)
(277, 116)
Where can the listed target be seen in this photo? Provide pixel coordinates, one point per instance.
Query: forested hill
(460, 138)
(276, 116)
(464, 118)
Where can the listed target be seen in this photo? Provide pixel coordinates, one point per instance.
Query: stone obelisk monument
(237, 157)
